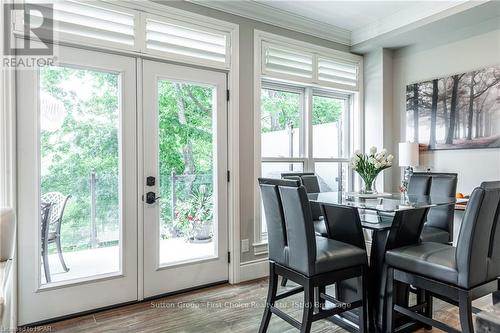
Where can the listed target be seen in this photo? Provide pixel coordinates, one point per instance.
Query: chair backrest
(420, 183)
(443, 185)
(275, 221)
(478, 247)
(311, 184)
(437, 184)
(58, 203)
(45, 211)
(406, 228)
(299, 229)
(344, 224)
(309, 180)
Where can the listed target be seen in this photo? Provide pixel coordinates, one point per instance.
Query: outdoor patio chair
(51, 227)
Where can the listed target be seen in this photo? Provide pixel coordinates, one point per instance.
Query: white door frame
(95, 291)
(197, 272)
(10, 92)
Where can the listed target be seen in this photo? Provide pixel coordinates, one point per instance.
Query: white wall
(378, 117)
(457, 52)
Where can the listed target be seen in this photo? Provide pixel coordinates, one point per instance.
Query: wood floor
(224, 308)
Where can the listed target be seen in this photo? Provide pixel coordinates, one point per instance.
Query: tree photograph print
(460, 111)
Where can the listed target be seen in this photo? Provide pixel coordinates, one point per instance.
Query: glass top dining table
(373, 209)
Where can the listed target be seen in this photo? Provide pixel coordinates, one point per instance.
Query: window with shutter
(287, 62)
(179, 39)
(102, 24)
(340, 72)
(293, 61)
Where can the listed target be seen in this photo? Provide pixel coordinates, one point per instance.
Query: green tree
(86, 142)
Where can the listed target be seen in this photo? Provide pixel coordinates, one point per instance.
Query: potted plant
(368, 166)
(195, 216)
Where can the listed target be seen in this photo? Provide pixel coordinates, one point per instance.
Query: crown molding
(412, 17)
(280, 18)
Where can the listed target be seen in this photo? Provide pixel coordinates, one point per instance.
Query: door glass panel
(333, 176)
(280, 123)
(80, 172)
(188, 228)
(329, 123)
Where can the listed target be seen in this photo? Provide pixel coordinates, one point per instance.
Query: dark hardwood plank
(224, 308)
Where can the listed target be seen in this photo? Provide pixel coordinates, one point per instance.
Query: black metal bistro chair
(457, 275)
(51, 228)
(308, 260)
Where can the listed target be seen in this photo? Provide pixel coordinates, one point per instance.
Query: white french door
(77, 189)
(77, 182)
(185, 186)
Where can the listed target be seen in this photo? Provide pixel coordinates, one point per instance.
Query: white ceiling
(350, 15)
(347, 22)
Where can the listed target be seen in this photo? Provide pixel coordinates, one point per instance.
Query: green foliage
(186, 135)
(326, 110)
(280, 109)
(87, 142)
(196, 212)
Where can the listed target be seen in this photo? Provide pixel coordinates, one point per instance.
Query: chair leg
(389, 310)
(284, 281)
(428, 307)
(45, 258)
(496, 295)
(308, 308)
(362, 292)
(319, 302)
(271, 295)
(465, 309)
(59, 252)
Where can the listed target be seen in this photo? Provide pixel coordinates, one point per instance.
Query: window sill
(260, 248)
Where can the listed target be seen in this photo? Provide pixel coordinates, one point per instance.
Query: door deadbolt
(150, 181)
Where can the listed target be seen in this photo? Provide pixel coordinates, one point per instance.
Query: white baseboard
(254, 269)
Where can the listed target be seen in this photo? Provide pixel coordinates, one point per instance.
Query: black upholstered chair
(275, 220)
(457, 275)
(439, 225)
(420, 183)
(311, 261)
(311, 183)
(343, 224)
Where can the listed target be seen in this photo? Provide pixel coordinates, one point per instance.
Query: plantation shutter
(180, 40)
(286, 62)
(338, 72)
(102, 24)
(297, 65)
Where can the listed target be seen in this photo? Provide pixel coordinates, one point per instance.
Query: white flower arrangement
(368, 166)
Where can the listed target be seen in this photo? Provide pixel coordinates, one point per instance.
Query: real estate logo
(28, 35)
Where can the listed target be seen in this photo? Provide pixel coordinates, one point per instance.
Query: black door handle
(151, 198)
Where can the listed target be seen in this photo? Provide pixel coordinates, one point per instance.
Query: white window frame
(352, 97)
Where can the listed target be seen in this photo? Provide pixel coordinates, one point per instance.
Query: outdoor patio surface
(87, 263)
